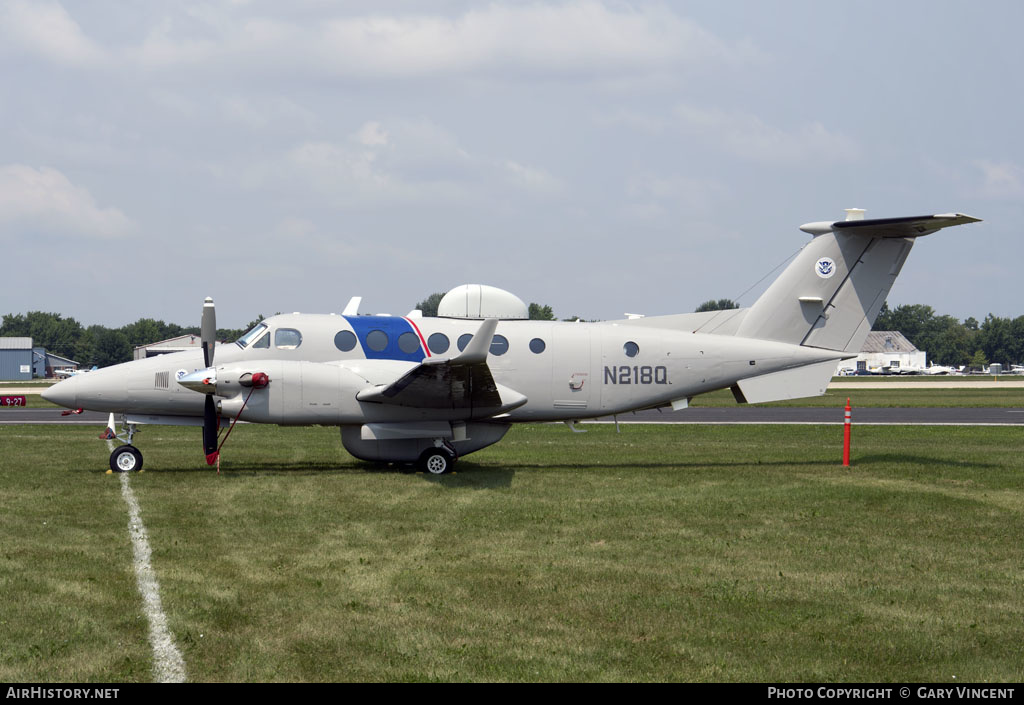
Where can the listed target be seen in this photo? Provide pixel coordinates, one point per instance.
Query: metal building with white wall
(188, 341)
(886, 352)
(16, 359)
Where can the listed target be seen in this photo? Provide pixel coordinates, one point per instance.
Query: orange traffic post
(846, 435)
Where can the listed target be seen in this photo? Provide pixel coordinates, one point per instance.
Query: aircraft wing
(460, 383)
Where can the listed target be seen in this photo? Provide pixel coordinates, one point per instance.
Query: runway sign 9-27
(12, 401)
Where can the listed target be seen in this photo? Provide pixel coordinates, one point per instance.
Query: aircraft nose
(64, 393)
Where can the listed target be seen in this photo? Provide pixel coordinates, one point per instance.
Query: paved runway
(14, 415)
(817, 415)
(717, 415)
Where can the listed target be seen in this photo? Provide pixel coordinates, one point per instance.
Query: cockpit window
(251, 335)
(263, 342)
(287, 338)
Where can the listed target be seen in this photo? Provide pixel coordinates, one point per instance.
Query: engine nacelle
(289, 392)
(301, 393)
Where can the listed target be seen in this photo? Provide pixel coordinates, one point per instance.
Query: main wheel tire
(126, 459)
(437, 461)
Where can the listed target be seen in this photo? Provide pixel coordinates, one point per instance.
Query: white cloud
(750, 138)
(653, 194)
(580, 37)
(349, 173)
(304, 235)
(372, 134)
(47, 30)
(44, 198)
(403, 162)
(1002, 179)
(259, 113)
(633, 120)
(587, 38)
(532, 178)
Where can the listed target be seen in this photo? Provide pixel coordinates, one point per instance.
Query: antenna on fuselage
(352, 307)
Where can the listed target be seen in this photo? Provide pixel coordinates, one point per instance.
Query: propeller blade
(208, 330)
(210, 428)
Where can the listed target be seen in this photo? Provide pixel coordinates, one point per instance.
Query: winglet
(476, 352)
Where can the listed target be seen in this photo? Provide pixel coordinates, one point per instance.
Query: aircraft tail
(830, 295)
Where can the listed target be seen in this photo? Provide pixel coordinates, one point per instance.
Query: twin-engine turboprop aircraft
(405, 389)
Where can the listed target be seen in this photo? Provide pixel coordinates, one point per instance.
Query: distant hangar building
(171, 345)
(55, 364)
(21, 361)
(890, 352)
(16, 359)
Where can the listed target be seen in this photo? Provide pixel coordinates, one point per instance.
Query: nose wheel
(126, 458)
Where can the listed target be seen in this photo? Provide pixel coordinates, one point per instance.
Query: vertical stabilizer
(830, 295)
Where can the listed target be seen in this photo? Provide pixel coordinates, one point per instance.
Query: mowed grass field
(698, 553)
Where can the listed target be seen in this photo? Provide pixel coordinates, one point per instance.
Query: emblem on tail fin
(825, 267)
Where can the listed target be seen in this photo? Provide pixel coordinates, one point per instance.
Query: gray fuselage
(566, 371)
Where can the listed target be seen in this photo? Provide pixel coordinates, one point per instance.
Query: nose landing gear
(126, 458)
(123, 458)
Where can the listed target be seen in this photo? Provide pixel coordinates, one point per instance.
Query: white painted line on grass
(168, 666)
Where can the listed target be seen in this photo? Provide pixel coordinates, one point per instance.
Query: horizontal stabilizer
(807, 381)
(908, 226)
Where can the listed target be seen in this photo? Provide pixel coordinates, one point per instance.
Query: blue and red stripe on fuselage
(410, 348)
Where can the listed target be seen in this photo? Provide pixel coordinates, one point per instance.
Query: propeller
(208, 331)
(205, 382)
(208, 337)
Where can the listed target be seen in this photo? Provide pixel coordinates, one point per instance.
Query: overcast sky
(598, 157)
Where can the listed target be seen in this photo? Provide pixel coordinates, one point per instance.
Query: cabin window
(377, 340)
(631, 349)
(408, 342)
(499, 345)
(345, 341)
(537, 346)
(287, 338)
(464, 341)
(263, 342)
(438, 343)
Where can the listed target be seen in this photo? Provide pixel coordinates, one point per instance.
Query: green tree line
(537, 312)
(949, 341)
(96, 344)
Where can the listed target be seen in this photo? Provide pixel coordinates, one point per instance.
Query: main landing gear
(437, 461)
